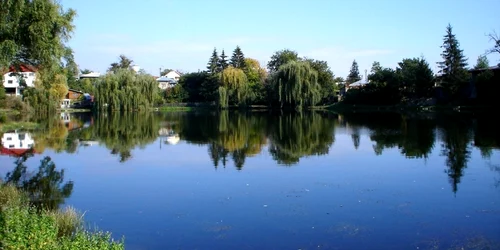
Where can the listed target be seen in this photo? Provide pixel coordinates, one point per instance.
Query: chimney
(366, 75)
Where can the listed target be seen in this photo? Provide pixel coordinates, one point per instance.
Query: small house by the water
(15, 79)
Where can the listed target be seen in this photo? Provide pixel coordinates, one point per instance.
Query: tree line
(35, 33)
(289, 81)
(414, 83)
(295, 82)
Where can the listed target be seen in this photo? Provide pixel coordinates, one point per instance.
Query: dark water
(270, 181)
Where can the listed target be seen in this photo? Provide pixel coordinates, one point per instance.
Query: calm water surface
(271, 181)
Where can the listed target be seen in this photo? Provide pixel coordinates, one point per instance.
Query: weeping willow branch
(297, 85)
(124, 90)
(235, 83)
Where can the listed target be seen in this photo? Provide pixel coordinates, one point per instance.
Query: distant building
(74, 96)
(91, 75)
(136, 68)
(13, 78)
(173, 75)
(166, 82)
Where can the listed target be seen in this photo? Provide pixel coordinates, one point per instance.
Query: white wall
(21, 140)
(13, 81)
(173, 75)
(165, 85)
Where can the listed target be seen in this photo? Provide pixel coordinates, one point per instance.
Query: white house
(17, 140)
(173, 75)
(166, 82)
(12, 79)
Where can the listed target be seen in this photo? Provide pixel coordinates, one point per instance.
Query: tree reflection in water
(46, 187)
(236, 135)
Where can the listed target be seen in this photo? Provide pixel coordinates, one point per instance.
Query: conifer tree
(223, 61)
(238, 59)
(482, 62)
(353, 73)
(452, 69)
(213, 63)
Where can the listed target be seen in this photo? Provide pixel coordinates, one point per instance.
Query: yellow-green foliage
(235, 81)
(24, 227)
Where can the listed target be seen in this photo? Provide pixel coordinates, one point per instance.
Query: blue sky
(181, 34)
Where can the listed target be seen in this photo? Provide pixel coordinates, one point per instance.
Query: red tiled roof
(22, 68)
(13, 151)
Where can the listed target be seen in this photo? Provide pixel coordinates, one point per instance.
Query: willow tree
(296, 84)
(234, 87)
(34, 32)
(125, 90)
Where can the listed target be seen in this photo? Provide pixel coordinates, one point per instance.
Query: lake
(267, 180)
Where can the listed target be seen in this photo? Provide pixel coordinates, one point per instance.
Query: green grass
(18, 125)
(25, 227)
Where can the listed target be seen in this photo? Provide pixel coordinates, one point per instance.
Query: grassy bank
(25, 227)
(18, 125)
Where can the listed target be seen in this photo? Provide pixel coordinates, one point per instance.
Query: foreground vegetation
(23, 226)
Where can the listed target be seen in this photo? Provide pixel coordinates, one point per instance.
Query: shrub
(25, 227)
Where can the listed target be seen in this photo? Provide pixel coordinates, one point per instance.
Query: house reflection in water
(16, 143)
(169, 135)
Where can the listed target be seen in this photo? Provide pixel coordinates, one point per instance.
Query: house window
(31, 74)
(11, 146)
(9, 81)
(9, 138)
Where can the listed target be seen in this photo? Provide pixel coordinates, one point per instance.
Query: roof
(20, 68)
(490, 68)
(74, 90)
(359, 83)
(14, 151)
(166, 79)
(175, 71)
(91, 75)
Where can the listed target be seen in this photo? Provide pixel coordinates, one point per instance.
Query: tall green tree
(416, 77)
(296, 84)
(376, 67)
(353, 73)
(453, 71)
(280, 58)
(325, 79)
(123, 63)
(34, 32)
(482, 62)
(223, 64)
(256, 76)
(213, 63)
(238, 58)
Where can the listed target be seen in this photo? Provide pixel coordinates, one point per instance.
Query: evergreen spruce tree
(452, 70)
(353, 73)
(482, 62)
(213, 63)
(223, 61)
(238, 59)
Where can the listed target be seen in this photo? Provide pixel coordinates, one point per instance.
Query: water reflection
(287, 137)
(46, 187)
